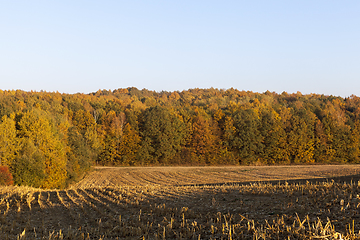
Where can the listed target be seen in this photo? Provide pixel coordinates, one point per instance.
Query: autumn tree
(6, 177)
(129, 146)
(29, 166)
(202, 143)
(113, 126)
(8, 141)
(48, 139)
(274, 137)
(301, 138)
(83, 120)
(36, 127)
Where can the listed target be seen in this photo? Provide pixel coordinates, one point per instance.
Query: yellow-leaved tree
(129, 146)
(8, 141)
(37, 127)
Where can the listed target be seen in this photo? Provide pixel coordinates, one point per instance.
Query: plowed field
(190, 203)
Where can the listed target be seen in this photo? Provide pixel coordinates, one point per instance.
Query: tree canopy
(48, 139)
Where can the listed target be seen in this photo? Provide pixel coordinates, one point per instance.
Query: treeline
(50, 139)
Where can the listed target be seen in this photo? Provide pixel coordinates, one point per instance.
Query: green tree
(162, 135)
(79, 157)
(247, 140)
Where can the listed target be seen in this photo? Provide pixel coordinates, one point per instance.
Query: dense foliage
(48, 139)
(6, 178)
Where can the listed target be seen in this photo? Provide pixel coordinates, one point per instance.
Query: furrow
(96, 213)
(96, 201)
(108, 198)
(88, 215)
(40, 201)
(131, 180)
(144, 177)
(161, 178)
(171, 178)
(182, 178)
(140, 180)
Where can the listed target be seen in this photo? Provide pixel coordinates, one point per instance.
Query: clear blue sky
(83, 45)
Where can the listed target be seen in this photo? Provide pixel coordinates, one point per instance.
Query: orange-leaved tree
(5, 176)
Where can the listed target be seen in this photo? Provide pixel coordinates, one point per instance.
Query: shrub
(5, 176)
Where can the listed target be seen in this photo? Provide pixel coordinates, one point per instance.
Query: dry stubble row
(252, 211)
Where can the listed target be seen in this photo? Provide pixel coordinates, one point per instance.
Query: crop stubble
(190, 203)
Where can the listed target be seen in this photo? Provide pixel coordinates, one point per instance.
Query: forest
(50, 139)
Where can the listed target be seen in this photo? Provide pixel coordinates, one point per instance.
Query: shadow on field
(341, 179)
